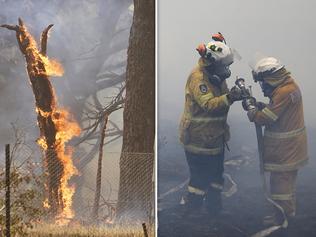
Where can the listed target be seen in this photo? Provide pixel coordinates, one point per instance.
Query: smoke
(273, 28)
(90, 39)
(283, 29)
(85, 34)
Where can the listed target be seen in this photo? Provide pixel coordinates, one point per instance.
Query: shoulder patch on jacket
(295, 96)
(203, 88)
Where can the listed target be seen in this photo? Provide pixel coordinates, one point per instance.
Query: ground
(245, 208)
(83, 231)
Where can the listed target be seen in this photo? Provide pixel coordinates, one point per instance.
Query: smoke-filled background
(283, 29)
(90, 40)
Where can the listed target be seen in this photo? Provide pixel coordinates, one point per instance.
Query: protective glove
(251, 114)
(235, 94)
(249, 103)
(260, 105)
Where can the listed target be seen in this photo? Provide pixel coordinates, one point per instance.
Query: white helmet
(262, 65)
(270, 64)
(220, 52)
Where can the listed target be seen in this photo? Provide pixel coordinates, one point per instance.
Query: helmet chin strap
(216, 80)
(217, 73)
(266, 89)
(225, 74)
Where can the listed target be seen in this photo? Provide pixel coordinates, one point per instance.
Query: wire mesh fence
(50, 190)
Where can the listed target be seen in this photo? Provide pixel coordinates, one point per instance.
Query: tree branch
(44, 40)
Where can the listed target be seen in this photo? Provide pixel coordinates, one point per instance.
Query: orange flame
(42, 142)
(46, 204)
(66, 127)
(52, 66)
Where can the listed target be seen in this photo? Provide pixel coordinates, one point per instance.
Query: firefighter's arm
(206, 100)
(270, 113)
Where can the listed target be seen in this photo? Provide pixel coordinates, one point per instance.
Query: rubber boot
(274, 219)
(193, 205)
(213, 202)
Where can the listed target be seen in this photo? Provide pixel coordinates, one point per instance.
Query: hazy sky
(284, 29)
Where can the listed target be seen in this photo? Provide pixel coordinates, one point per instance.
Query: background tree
(137, 159)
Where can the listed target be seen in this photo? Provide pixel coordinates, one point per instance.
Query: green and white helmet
(220, 53)
(216, 52)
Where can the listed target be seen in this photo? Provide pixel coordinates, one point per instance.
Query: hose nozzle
(240, 82)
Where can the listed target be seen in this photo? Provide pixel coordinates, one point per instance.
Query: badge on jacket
(203, 88)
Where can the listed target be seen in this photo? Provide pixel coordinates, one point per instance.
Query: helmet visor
(256, 76)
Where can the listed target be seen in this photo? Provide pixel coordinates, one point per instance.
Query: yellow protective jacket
(203, 128)
(285, 140)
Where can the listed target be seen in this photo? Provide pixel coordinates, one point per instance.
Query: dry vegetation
(81, 231)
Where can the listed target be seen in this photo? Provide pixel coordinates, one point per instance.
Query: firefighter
(285, 141)
(203, 129)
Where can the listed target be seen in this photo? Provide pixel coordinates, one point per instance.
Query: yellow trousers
(283, 188)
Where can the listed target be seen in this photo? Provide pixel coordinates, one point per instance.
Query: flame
(42, 142)
(52, 66)
(46, 204)
(42, 113)
(66, 127)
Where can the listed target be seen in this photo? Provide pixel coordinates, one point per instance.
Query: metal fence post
(145, 230)
(7, 192)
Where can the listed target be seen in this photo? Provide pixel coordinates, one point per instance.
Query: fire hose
(230, 192)
(247, 95)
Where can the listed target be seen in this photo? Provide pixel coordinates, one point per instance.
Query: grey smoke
(284, 29)
(81, 40)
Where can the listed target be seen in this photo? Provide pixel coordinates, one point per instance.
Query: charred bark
(137, 159)
(45, 103)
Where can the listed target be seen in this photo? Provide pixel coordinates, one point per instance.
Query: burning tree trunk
(137, 159)
(56, 126)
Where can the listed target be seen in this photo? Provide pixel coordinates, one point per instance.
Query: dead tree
(137, 159)
(97, 194)
(45, 103)
(96, 131)
(102, 118)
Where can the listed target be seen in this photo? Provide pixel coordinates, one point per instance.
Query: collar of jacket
(287, 81)
(277, 78)
(203, 62)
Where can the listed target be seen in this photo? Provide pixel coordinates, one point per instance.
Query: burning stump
(55, 124)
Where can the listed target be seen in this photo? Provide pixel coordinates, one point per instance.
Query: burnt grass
(244, 210)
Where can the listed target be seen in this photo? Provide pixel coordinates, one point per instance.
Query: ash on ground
(244, 209)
